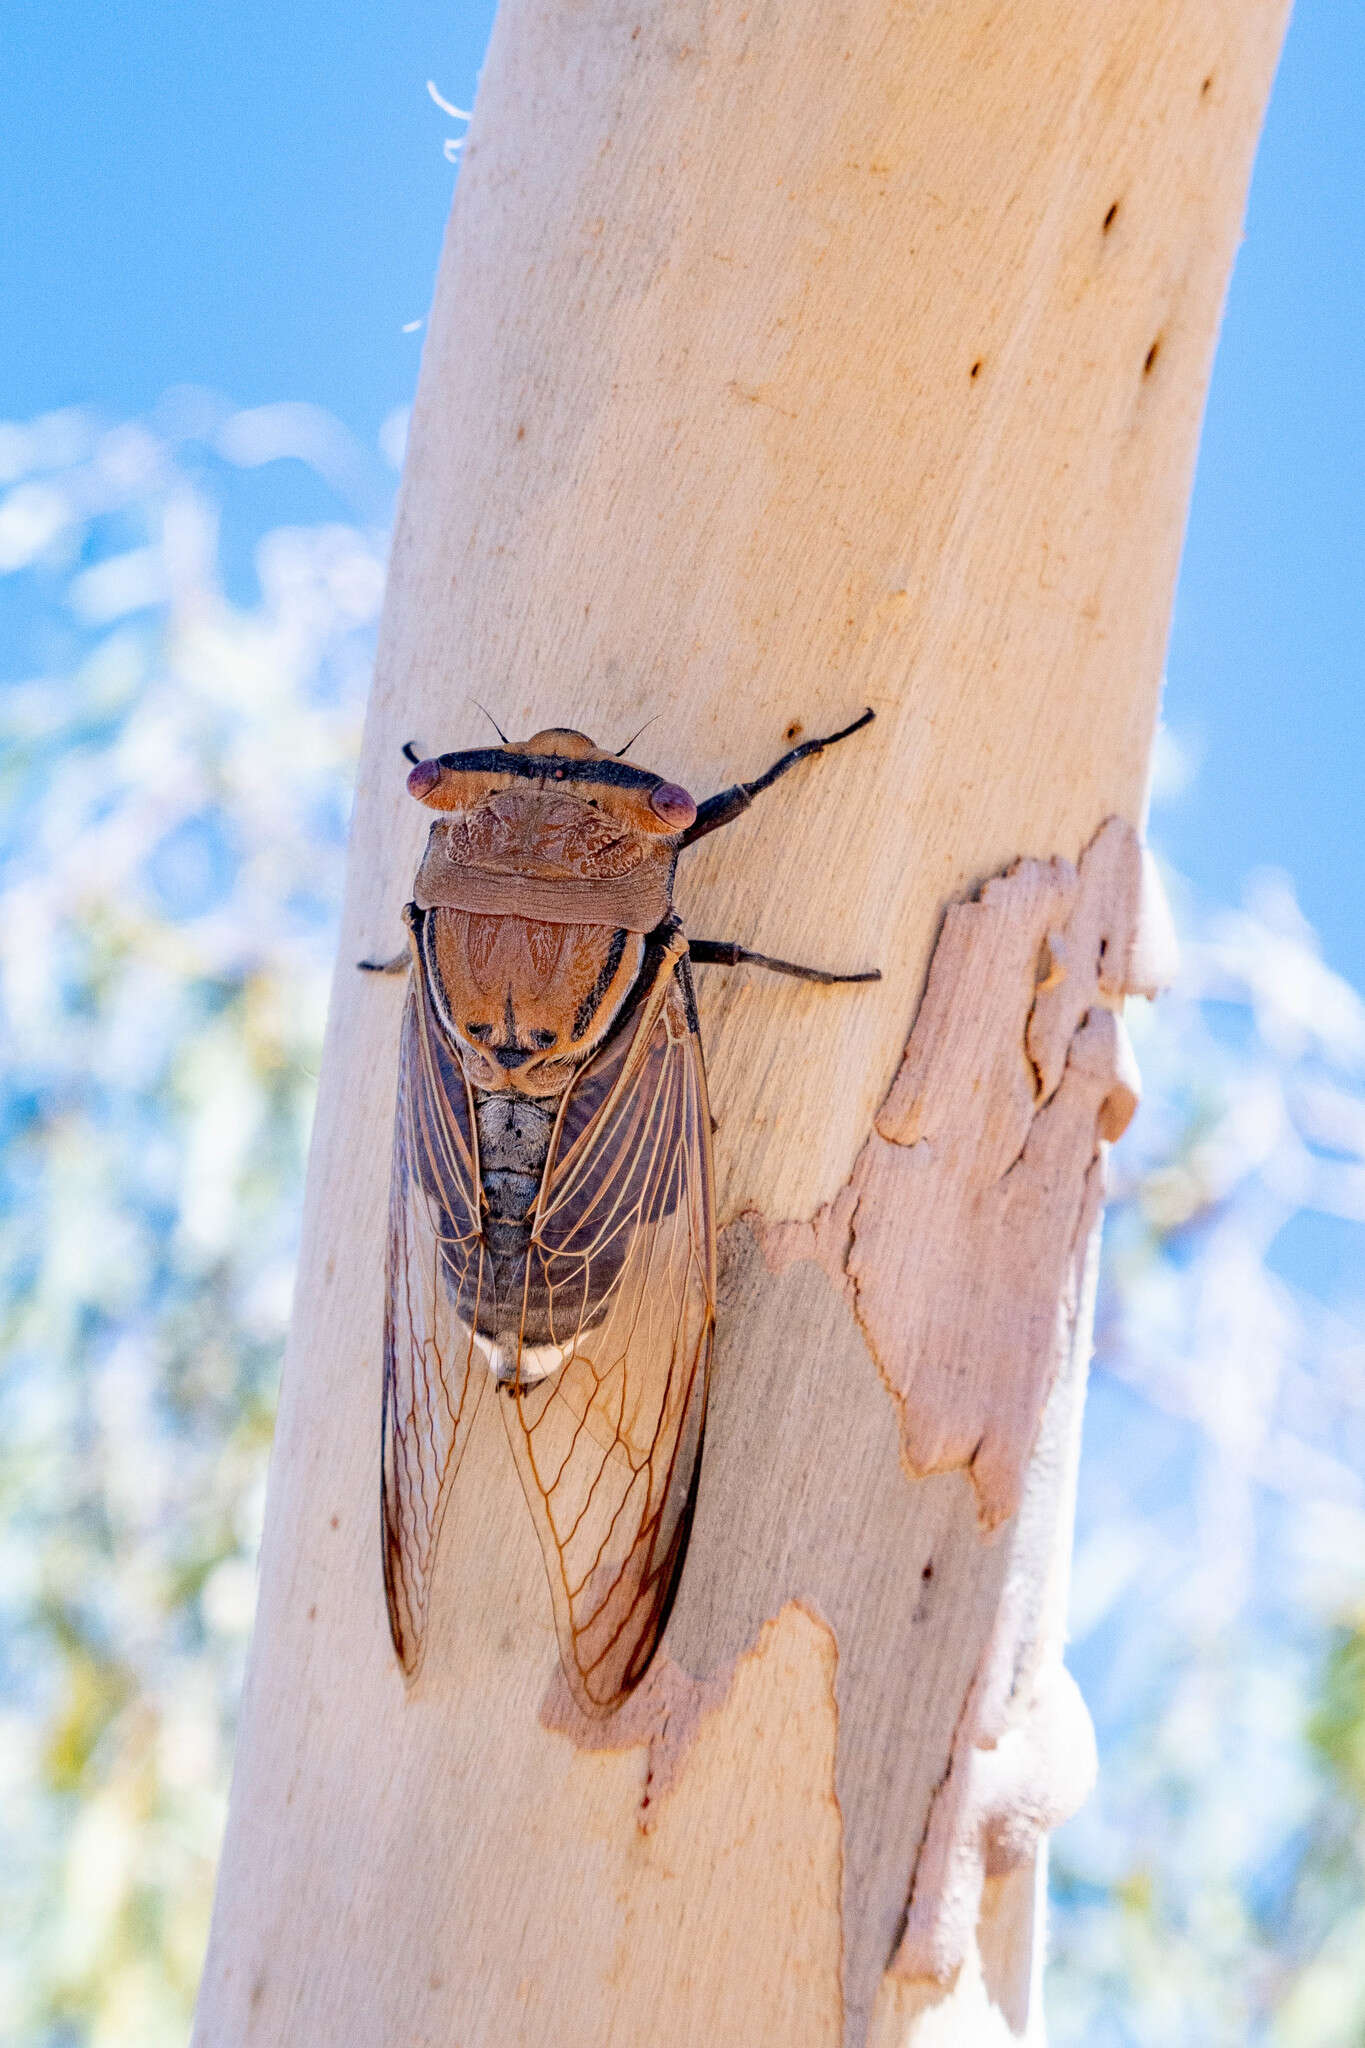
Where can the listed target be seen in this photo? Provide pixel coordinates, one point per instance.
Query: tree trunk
(783, 360)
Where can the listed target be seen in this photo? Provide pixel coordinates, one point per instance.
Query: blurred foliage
(176, 778)
(1338, 1726)
(180, 736)
(1213, 1890)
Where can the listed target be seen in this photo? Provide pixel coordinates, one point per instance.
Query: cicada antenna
(635, 736)
(491, 720)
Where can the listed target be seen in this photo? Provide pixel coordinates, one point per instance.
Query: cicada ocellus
(550, 1217)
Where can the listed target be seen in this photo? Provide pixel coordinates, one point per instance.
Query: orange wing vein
(434, 1368)
(608, 1442)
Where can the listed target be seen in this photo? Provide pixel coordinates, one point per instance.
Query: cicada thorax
(525, 1001)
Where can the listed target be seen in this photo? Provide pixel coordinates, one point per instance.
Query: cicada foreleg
(729, 803)
(725, 953)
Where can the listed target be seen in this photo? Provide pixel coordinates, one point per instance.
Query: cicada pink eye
(423, 779)
(671, 802)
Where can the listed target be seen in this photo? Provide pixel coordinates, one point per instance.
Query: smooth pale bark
(783, 360)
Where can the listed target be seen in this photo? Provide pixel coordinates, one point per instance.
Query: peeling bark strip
(965, 1222)
(965, 1243)
(1011, 1795)
(1023, 1753)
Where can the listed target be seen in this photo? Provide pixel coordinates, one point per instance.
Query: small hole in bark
(1111, 217)
(795, 729)
(976, 367)
(1207, 87)
(928, 1572)
(1149, 360)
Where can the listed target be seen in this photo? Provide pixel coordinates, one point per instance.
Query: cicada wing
(621, 1286)
(434, 1362)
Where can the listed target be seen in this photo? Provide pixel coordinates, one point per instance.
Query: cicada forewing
(435, 1364)
(620, 1285)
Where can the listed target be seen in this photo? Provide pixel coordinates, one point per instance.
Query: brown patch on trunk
(963, 1228)
(827, 1239)
(664, 1712)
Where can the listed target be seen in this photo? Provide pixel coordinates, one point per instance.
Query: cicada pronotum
(550, 1214)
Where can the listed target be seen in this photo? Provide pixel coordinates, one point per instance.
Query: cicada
(550, 1210)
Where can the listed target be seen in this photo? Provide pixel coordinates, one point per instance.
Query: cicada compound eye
(423, 779)
(671, 802)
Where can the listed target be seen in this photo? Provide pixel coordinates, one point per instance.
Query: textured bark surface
(976, 1195)
(783, 360)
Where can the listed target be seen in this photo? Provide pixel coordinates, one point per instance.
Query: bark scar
(961, 1234)
(993, 1807)
(663, 1715)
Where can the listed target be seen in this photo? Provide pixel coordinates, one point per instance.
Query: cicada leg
(725, 953)
(721, 809)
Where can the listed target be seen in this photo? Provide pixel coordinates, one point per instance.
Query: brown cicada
(550, 1215)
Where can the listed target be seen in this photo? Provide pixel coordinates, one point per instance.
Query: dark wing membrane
(434, 1365)
(623, 1264)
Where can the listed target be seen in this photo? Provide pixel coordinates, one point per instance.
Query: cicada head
(550, 863)
(557, 757)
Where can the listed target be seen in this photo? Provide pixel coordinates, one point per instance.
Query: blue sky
(252, 196)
